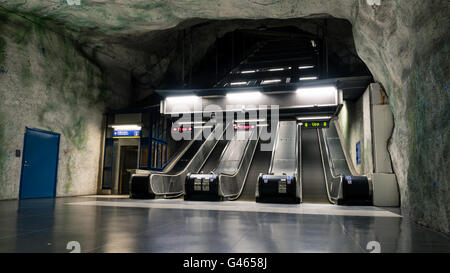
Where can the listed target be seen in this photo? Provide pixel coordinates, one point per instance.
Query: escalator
(213, 160)
(326, 177)
(313, 180)
(140, 180)
(281, 184)
(226, 180)
(342, 186)
(309, 165)
(260, 164)
(170, 184)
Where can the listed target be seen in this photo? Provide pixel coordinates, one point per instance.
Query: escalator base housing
(355, 191)
(140, 187)
(202, 187)
(277, 189)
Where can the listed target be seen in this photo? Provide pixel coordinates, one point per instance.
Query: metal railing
(333, 182)
(172, 185)
(231, 185)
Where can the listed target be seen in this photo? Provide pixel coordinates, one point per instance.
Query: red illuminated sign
(182, 129)
(243, 126)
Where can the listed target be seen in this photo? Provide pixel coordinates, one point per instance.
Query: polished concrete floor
(122, 225)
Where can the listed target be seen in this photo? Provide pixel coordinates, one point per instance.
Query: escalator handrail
(185, 168)
(225, 150)
(236, 196)
(222, 154)
(172, 162)
(223, 133)
(297, 160)
(348, 160)
(274, 148)
(331, 199)
(328, 153)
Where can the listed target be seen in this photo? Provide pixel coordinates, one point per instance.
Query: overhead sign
(316, 124)
(182, 129)
(243, 126)
(127, 134)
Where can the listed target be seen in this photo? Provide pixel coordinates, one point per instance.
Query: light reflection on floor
(124, 225)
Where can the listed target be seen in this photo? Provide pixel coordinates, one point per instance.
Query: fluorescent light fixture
(243, 95)
(314, 118)
(238, 83)
(308, 78)
(276, 69)
(306, 67)
(190, 122)
(204, 126)
(249, 120)
(126, 127)
(317, 92)
(248, 71)
(270, 81)
(181, 99)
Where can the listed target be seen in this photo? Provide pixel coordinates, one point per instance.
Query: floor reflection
(48, 225)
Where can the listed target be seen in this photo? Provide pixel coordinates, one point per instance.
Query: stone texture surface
(46, 83)
(403, 42)
(154, 59)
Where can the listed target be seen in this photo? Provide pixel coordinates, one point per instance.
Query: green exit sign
(316, 124)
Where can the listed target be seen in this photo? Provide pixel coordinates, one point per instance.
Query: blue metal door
(39, 164)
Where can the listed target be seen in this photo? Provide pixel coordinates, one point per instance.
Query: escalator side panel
(336, 154)
(234, 173)
(260, 164)
(174, 184)
(344, 189)
(140, 181)
(213, 159)
(228, 167)
(232, 156)
(285, 157)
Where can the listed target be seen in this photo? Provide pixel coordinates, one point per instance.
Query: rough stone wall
(403, 42)
(45, 83)
(405, 45)
(154, 59)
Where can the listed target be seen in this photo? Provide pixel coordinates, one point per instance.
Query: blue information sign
(358, 152)
(127, 134)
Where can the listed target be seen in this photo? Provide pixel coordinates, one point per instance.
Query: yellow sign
(315, 124)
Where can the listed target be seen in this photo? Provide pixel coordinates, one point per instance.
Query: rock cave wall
(404, 43)
(46, 83)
